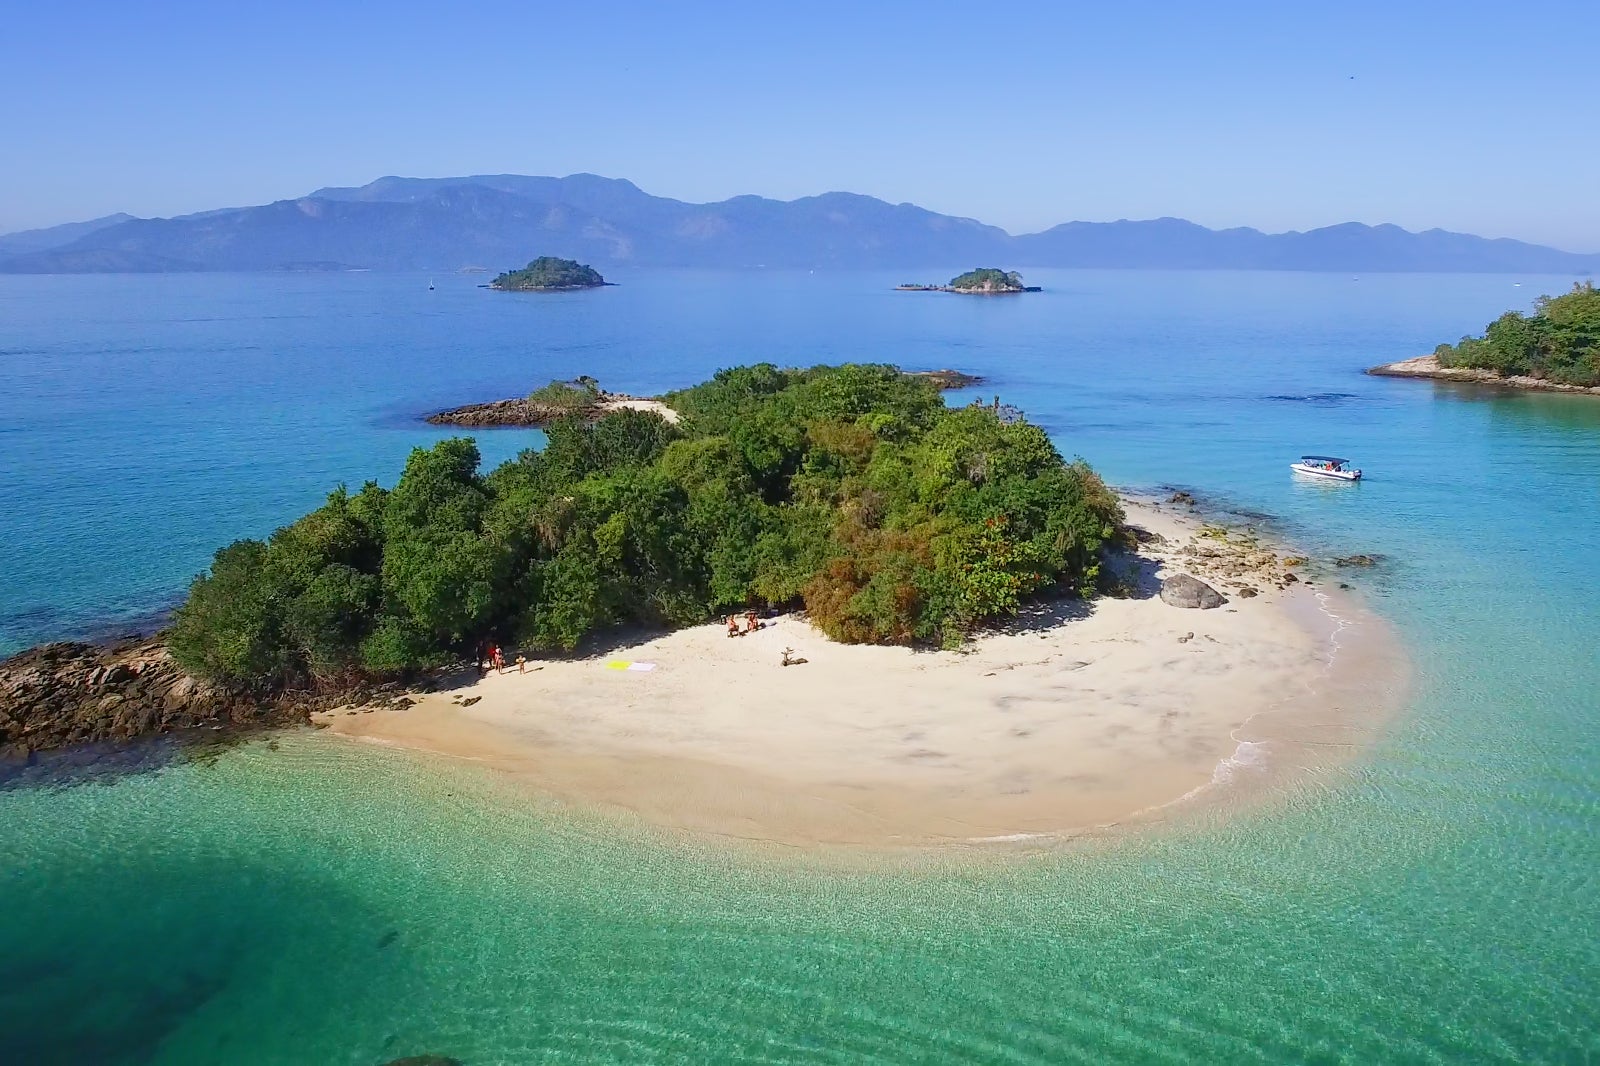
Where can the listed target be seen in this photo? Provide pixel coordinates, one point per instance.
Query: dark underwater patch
(113, 761)
(108, 953)
(1316, 399)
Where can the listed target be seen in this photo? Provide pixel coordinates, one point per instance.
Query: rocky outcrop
(1185, 591)
(62, 695)
(946, 380)
(1427, 366)
(514, 412)
(507, 413)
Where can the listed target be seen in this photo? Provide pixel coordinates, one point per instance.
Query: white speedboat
(1327, 466)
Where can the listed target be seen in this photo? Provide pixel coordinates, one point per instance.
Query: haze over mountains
(499, 221)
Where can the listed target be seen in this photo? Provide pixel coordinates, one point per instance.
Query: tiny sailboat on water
(1327, 466)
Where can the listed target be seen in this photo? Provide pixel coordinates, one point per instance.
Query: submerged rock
(1358, 560)
(1186, 591)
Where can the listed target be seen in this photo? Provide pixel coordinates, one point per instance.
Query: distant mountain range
(505, 220)
(38, 240)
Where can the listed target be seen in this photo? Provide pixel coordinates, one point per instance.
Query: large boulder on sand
(1186, 591)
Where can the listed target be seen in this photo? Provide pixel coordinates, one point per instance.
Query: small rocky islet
(549, 274)
(983, 281)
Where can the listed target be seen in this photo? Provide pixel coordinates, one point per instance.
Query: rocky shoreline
(548, 288)
(524, 412)
(948, 380)
(72, 694)
(970, 292)
(518, 411)
(1427, 366)
(1217, 557)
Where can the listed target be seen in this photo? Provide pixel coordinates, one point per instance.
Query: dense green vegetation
(853, 491)
(1560, 342)
(989, 279)
(548, 272)
(572, 396)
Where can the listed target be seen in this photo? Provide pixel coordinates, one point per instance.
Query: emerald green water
(1433, 900)
(323, 904)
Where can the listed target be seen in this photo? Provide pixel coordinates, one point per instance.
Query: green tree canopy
(546, 273)
(850, 491)
(988, 279)
(1559, 342)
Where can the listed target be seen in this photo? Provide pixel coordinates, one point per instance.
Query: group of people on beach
(751, 624)
(492, 658)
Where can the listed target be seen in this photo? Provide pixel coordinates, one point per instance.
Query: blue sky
(1472, 116)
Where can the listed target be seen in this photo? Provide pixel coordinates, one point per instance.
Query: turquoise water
(1435, 900)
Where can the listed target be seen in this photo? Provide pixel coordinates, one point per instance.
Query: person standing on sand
(751, 622)
(733, 625)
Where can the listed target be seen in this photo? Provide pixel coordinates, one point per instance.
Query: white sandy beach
(1090, 715)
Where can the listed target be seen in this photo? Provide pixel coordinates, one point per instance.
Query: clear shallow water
(1434, 901)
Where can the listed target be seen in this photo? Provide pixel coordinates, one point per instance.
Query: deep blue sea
(1436, 900)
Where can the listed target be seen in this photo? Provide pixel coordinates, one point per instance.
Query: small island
(583, 398)
(1556, 349)
(984, 281)
(549, 274)
(700, 612)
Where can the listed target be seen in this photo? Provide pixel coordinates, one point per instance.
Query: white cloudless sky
(1476, 117)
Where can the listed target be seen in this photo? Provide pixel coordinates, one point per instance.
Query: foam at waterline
(1249, 755)
(1340, 624)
